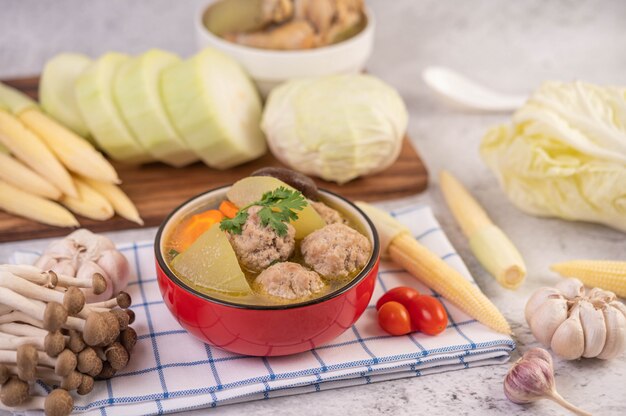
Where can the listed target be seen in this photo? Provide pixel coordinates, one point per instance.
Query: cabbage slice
(56, 90)
(215, 107)
(94, 95)
(137, 95)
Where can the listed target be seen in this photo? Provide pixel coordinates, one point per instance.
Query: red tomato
(428, 315)
(401, 294)
(394, 318)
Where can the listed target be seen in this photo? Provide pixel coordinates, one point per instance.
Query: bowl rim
(199, 22)
(367, 269)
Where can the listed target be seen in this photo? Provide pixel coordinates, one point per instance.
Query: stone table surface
(511, 46)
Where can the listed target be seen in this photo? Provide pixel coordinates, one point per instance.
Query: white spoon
(466, 92)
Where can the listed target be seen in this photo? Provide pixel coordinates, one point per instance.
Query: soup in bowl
(265, 268)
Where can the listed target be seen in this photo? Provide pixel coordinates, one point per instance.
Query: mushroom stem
(32, 274)
(53, 343)
(123, 300)
(53, 314)
(27, 358)
(69, 382)
(18, 316)
(57, 403)
(73, 300)
(97, 282)
(22, 330)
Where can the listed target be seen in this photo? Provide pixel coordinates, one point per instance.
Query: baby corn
(18, 202)
(20, 176)
(89, 203)
(489, 244)
(119, 200)
(433, 271)
(605, 274)
(29, 148)
(78, 155)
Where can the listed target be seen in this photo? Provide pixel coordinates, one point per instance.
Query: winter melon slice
(215, 107)
(94, 95)
(211, 263)
(137, 95)
(248, 190)
(56, 90)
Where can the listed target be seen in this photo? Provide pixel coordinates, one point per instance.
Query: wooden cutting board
(157, 189)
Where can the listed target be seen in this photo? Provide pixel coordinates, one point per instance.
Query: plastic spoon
(467, 93)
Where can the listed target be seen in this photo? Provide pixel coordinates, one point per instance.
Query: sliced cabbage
(565, 153)
(56, 89)
(94, 95)
(336, 127)
(136, 93)
(215, 107)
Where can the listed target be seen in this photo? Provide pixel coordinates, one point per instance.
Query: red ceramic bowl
(265, 330)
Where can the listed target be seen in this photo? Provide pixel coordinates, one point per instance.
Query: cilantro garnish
(278, 208)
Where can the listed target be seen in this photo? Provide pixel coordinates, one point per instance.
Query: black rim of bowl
(355, 281)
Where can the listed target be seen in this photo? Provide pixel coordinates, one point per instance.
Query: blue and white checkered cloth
(172, 371)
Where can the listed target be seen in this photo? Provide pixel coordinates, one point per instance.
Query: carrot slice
(194, 227)
(228, 208)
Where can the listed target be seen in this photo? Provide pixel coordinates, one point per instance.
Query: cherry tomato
(428, 315)
(401, 294)
(394, 318)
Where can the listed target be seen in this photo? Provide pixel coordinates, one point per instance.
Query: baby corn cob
(20, 176)
(605, 274)
(119, 200)
(76, 153)
(489, 244)
(29, 148)
(18, 202)
(433, 271)
(89, 203)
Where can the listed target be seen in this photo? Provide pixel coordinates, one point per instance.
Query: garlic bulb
(82, 254)
(531, 378)
(576, 324)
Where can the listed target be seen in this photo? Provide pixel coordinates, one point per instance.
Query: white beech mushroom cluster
(575, 323)
(50, 331)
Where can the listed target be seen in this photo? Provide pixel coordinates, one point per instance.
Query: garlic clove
(537, 299)
(46, 262)
(93, 244)
(116, 267)
(63, 248)
(571, 288)
(550, 315)
(594, 328)
(619, 306)
(615, 333)
(597, 294)
(568, 341)
(538, 354)
(64, 266)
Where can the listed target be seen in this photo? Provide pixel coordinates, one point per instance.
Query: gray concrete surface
(512, 46)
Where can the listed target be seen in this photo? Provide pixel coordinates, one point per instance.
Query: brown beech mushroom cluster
(49, 332)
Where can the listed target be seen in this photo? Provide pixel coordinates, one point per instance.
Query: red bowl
(265, 330)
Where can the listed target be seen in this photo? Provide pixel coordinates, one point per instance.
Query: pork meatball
(289, 280)
(336, 250)
(259, 246)
(328, 214)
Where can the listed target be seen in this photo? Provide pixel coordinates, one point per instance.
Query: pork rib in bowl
(252, 284)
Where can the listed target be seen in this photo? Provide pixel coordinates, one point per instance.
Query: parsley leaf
(278, 208)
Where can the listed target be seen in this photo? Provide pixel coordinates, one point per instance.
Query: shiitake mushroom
(298, 180)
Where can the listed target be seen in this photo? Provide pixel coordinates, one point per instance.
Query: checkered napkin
(172, 371)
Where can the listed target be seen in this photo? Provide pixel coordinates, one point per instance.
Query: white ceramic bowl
(269, 68)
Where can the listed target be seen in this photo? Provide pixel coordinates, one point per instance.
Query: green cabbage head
(564, 155)
(335, 127)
